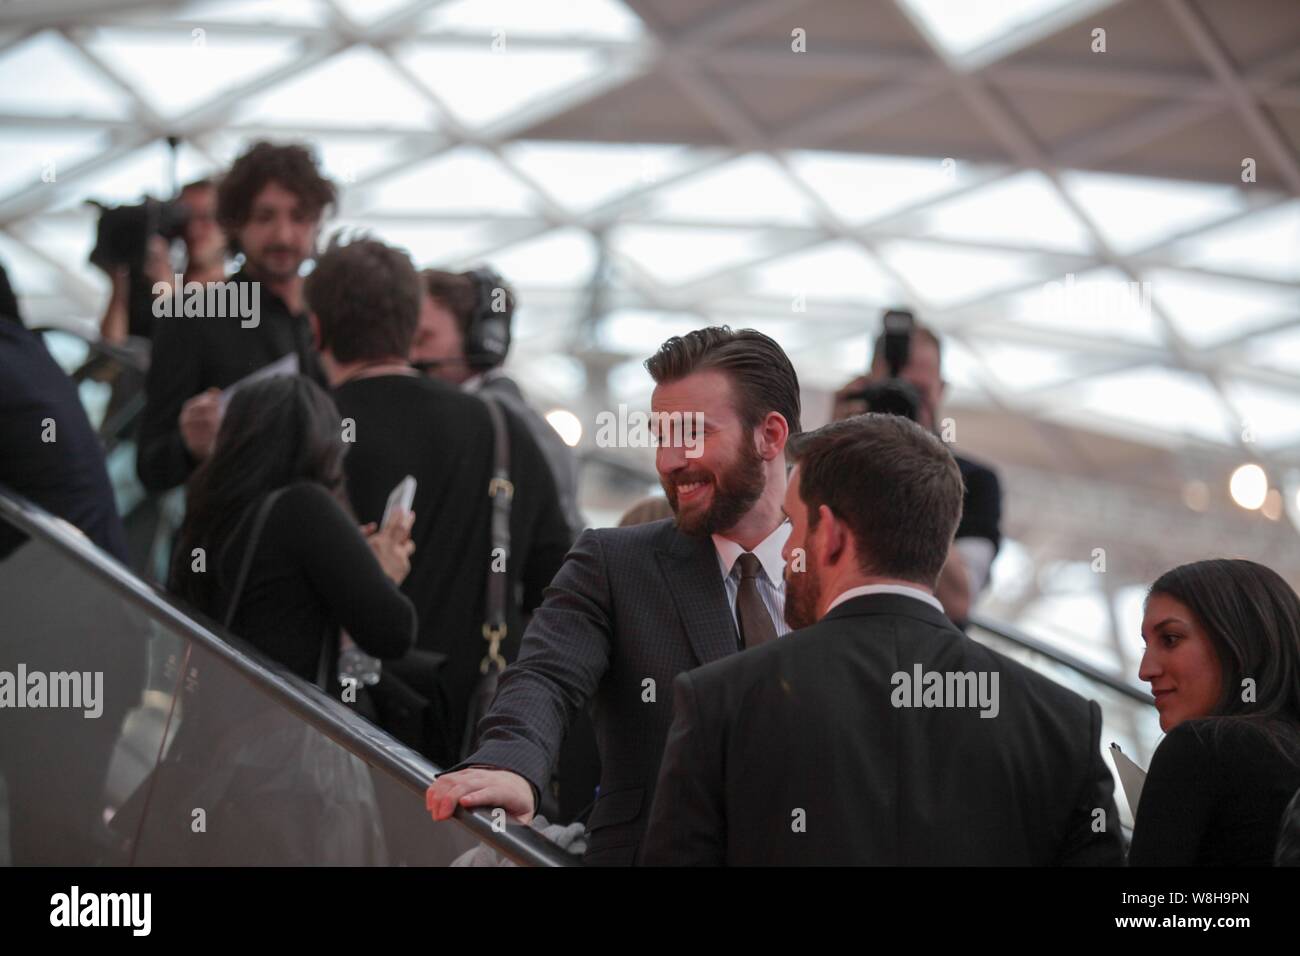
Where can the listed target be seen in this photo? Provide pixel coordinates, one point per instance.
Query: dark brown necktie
(755, 623)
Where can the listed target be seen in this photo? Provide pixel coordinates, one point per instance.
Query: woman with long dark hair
(1223, 660)
(311, 571)
(270, 549)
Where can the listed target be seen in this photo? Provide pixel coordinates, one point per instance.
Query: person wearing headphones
(463, 338)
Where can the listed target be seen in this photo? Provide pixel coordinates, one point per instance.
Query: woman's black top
(312, 573)
(1215, 795)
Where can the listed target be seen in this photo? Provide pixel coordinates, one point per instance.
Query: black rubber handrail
(522, 844)
(1091, 671)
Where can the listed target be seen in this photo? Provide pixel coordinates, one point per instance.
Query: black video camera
(122, 238)
(894, 396)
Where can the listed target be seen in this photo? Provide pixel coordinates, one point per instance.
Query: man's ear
(773, 435)
(834, 534)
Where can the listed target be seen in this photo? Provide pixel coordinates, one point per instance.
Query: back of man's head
(895, 486)
(366, 299)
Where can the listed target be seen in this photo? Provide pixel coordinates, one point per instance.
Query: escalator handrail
(100, 348)
(1038, 646)
(519, 843)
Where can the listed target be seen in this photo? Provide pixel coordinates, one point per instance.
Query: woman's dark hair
(274, 433)
(1252, 617)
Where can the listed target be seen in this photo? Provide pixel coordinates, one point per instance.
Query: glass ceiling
(1154, 308)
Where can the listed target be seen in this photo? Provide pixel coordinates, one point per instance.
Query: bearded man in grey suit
(632, 608)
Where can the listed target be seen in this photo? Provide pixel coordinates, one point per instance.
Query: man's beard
(259, 267)
(734, 493)
(802, 592)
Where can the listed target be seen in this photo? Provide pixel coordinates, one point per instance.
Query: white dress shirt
(771, 581)
(903, 589)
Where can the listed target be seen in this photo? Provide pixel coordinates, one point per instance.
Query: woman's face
(1179, 663)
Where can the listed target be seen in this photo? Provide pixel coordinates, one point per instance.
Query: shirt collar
(768, 551)
(902, 589)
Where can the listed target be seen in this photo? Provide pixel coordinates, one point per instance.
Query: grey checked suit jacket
(630, 606)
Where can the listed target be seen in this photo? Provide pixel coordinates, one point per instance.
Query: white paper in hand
(400, 499)
(286, 365)
(1131, 777)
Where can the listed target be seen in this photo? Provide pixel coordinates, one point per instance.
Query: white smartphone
(400, 499)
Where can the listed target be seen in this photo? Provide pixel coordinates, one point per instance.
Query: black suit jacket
(630, 610)
(794, 753)
(408, 425)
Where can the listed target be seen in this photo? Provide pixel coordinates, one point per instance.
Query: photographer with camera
(906, 379)
(135, 250)
(269, 205)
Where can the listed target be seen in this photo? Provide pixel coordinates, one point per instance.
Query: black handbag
(502, 492)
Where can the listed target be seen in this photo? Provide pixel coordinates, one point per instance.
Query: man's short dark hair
(894, 484)
(760, 371)
(291, 165)
(458, 294)
(366, 297)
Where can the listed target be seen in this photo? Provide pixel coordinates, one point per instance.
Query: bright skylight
(751, 188)
(482, 86)
(947, 276)
(1024, 210)
(963, 25)
(1098, 303)
(464, 180)
(588, 19)
(680, 254)
(1263, 245)
(860, 188)
(1209, 310)
(174, 72)
(581, 176)
(1133, 212)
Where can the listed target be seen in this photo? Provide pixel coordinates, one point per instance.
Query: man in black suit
(364, 301)
(878, 733)
(634, 607)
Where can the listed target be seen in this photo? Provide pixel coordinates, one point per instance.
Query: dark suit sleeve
(564, 654)
(687, 821)
(162, 460)
(1177, 799)
(1083, 844)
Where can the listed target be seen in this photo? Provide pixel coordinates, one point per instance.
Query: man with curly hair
(270, 206)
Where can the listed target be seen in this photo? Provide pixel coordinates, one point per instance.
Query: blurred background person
(978, 538)
(464, 338)
(269, 205)
(364, 300)
(1223, 661)
(205, 261)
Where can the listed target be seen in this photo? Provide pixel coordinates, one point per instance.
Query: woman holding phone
(1223, 661)
(270, 548)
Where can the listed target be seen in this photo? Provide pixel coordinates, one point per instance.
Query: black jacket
(630, 610)
(796, 753)
(407, 425)
(192, 354)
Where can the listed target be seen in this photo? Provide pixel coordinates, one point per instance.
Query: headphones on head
(487, 337)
